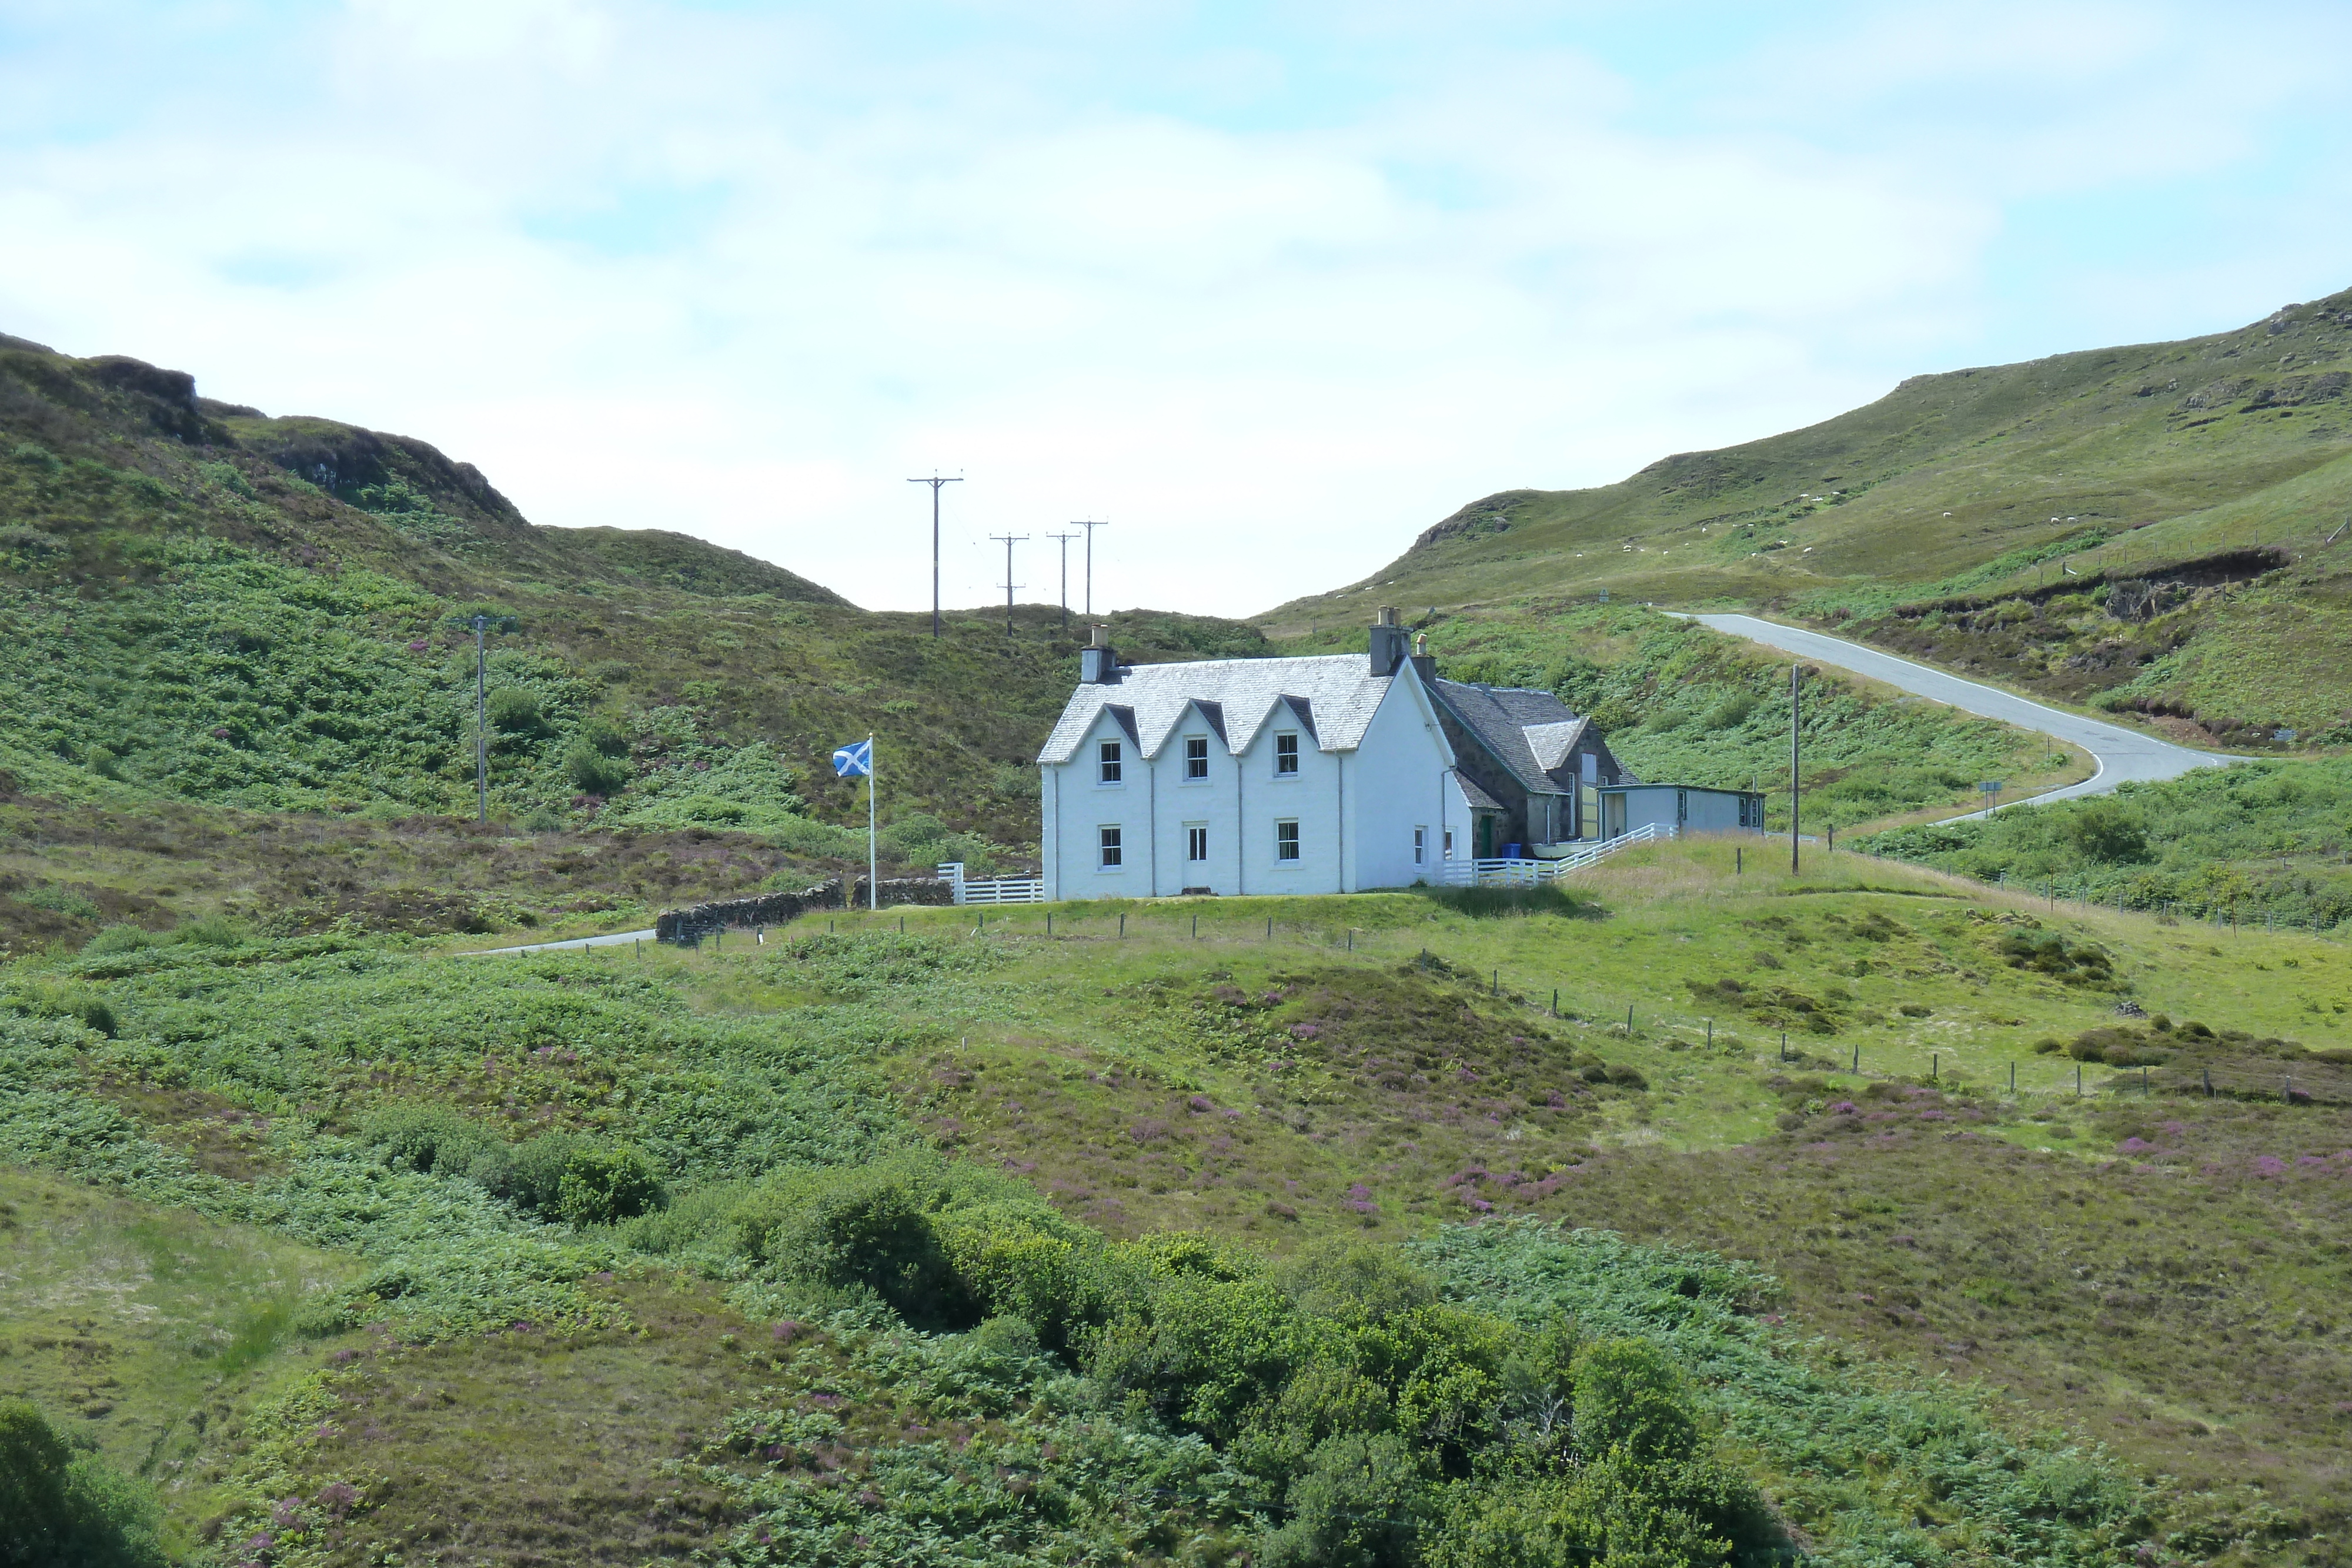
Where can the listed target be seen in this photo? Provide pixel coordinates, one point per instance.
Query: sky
(1269, 287)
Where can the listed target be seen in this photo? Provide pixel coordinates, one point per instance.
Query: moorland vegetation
(1694, 1220)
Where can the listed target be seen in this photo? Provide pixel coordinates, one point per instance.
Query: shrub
(515, 711)
(60, 1507)
(429, 1138)
(578, 1181)
(211, 931)
(1355, 1282)
(119, 939)
(1023, 1258)
(1360, 1504)
(1629, 1399)
(869, 1229)
(597, 761)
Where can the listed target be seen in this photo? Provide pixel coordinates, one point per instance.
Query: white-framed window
(1420, 846)
(1107, 766)
(1286, 841)
(1196, 842)
(1106, 848)
(1449, 844)
(1285, 757)
(1196, 757)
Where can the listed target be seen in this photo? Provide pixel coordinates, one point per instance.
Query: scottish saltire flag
(855, 760)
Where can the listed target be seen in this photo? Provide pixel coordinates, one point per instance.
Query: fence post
(1555, 1002)
(1495, 989)
(1269, 927)
(1122, 923)
(1351, 938)
(1628, 1022)
(1935, 1068)
(1710, 1023)
(1857, 1059)
(1784, 1045)
(1049, 922)
(2013, 1078)
(2144, 1087)
(1196, 928)
(2078, 1081)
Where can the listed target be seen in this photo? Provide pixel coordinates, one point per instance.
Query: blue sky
(1271, 287)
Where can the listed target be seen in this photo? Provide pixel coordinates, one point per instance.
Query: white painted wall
(1399, 780)
(1356, 810)
(1076, 805)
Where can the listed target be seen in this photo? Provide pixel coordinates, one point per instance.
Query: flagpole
(873, 871)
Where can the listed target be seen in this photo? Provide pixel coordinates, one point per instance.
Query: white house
(1329, 774)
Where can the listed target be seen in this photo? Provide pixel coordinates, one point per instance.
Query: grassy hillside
(2200, 477)
(1130, 1243)
(1682, 704)
(207, 605)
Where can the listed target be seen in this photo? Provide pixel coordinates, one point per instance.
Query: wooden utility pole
(1090, 527)
(1009, 540)
(1794, 671)
(935, 481)
(1064, 540)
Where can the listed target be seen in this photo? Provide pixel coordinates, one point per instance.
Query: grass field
(289, 1330)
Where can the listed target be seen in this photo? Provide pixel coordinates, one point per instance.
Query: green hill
(206, 604)
(2198, 479)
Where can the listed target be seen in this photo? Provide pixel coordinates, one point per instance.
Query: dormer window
(1196, 757)
(1285, 756)
(1108, 768)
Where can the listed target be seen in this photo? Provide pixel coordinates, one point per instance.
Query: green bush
(515, 711)
(1360, 1503)
(578, 1181)
(1630, 1400)
(119, 939)
(424, 1137)
(592, 770)
(66, 1509)
(865, 1229)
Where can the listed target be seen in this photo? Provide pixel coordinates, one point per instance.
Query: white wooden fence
(1536, 872)
(993, 890)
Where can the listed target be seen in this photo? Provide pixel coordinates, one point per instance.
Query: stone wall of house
(699, 920)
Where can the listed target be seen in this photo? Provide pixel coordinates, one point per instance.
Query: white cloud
(741, 274)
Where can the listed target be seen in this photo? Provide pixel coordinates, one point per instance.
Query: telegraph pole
(1065, 539)
(1794, 671)
(1090, 528)
(935, 481)
(481, 727)
(1009, 540)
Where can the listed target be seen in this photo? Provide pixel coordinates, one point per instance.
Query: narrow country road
(611, 939)
(2122, 754)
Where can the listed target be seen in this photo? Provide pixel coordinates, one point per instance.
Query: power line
(935, 481)
(1009, 540)
(1090, 527)
(1065, 539)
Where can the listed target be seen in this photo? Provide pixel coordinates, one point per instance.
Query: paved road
(575, 945)
(2122, 754)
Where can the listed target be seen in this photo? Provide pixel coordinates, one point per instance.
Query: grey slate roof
(1478, 799)
(1529, 731)
(1333, 695)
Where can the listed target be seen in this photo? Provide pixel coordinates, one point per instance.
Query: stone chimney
(1422, 659)
(1098, 661)
(1387, 642)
